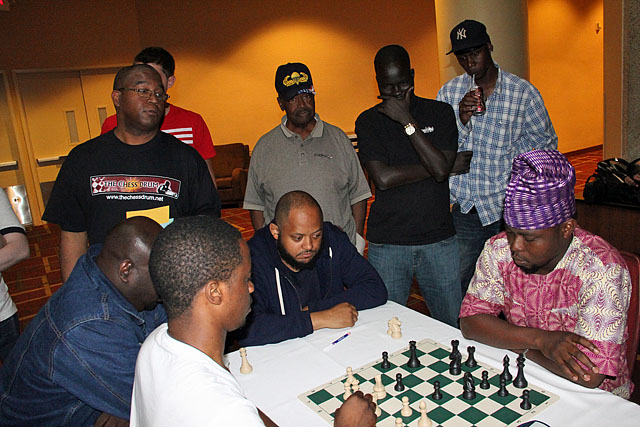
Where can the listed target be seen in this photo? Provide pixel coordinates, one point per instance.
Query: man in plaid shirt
(516, 121)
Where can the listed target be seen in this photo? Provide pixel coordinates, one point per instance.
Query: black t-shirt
(417, 213)
(104, 178)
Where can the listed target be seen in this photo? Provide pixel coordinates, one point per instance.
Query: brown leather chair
(231, 166)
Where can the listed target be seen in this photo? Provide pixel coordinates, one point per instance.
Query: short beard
(291, 261)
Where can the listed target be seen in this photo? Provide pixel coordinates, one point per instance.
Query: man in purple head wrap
(564, 292)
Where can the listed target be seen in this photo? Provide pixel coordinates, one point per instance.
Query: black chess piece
(468, 387)
(437, 394)
(503, 392)
(526, 403)
(471, 360)
(385, 361)
(413, 362)
(455, 366)
(399, 386)
(484, 383)
(520, 381)
(454, 349)
(505, 372)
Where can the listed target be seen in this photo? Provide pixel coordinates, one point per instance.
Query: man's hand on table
(357, 411)
(340, 316)
(562, 348)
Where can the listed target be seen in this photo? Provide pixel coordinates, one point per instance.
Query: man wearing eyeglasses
(188, 126)
(308, 154)
(502, 119)
(134, 170)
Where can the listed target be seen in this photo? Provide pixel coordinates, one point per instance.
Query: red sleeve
(109, 123)
(202, 139)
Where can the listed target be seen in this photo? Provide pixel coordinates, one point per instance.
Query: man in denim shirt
(75, 361)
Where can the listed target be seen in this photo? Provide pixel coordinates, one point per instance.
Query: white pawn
(355, 386)
(378, 411)
(245, 368)
(424, 420)
(406, 410)
(378, 388)
(347, 390)
(399, 422)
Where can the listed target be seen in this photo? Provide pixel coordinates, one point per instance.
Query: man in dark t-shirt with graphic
(134, 170)
(408, 145)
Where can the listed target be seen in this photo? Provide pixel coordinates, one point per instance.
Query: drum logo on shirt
(135, 186)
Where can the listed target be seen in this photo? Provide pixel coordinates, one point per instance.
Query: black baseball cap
(468, 34)
(292, 79)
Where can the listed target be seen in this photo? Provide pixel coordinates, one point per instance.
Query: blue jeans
(435, 267)
(9, 332)
(471, 235)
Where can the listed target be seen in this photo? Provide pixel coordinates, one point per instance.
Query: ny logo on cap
(461, 34)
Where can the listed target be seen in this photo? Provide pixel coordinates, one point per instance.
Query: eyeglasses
(146, 93)
(473, 53)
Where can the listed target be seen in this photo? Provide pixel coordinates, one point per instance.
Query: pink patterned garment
(587, 293)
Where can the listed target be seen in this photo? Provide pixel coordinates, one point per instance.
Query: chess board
(487, 409)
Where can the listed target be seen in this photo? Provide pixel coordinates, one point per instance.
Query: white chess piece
(378, 388)
(389, 327)
(245, 368)
(378, 411)
(347, 390)
(350, 378)
(394, 328)
(406, 410)
(424, 420)
(355, 386)
(399, 422)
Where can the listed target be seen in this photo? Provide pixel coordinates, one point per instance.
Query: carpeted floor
(33, 281)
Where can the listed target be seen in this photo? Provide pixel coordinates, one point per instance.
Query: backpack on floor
(608, 185)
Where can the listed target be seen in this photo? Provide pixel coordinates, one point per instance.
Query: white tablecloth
(283, 371)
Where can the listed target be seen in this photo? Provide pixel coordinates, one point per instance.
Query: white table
(283, 371)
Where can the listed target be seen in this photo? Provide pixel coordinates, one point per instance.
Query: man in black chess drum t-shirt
(134, 170)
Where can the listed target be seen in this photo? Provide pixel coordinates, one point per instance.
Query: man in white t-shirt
(201, 269)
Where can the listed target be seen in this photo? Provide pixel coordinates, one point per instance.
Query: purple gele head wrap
(540, 193)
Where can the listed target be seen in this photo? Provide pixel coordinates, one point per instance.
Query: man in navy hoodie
(306, 275)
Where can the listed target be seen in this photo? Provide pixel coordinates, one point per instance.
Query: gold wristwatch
(410, 129)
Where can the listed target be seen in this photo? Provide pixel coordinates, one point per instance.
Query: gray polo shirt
(324, 165)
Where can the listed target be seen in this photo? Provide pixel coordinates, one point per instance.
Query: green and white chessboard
(487, 409)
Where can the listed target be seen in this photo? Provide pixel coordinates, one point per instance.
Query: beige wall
(566, 65)
(227, 53)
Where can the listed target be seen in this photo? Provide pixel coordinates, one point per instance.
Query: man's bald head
(392, 54)
(294, 200)
(124, 259)
(130, 237)
(124, 73)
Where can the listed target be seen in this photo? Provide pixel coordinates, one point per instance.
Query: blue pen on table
(330, 346)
